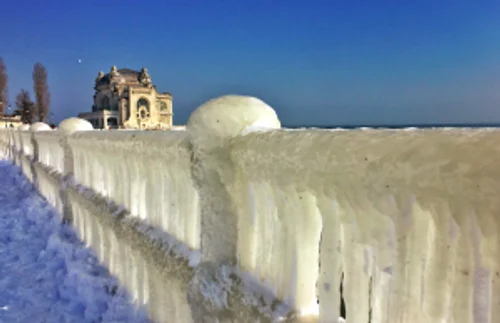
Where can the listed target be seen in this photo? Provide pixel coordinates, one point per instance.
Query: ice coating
(403, 200)
(228, 116)
(408, 218)
(25, 142)
(210, 127)
(24, 127)
(71, 125)
(50, 151)
(40, 126)
(146, 172)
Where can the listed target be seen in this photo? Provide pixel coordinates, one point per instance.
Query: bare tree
(3, 87)
(42, 94)
(26, 107)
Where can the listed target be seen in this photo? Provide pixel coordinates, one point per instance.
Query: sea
(399, 126)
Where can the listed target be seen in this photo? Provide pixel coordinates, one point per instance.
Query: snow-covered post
(67, 127)
(19, 146)
(10, 139)
(36, 127)
(211, 128)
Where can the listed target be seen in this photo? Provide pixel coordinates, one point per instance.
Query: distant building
(126, 98)
(10, 121)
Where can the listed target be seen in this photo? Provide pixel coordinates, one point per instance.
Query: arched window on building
(142, 102)
(163, 107)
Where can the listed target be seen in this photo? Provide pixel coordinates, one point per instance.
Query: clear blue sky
(316, 61)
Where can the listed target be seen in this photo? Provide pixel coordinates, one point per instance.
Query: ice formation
(24, 127)
(146, 172)
(226, 117)
(405, 220)
(40, 126)
(74, 124)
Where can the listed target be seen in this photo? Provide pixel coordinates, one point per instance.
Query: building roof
(126, 72)
(128, 75)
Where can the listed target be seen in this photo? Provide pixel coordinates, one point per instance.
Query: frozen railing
(147, 172)
(5, 139)
(26, 143)
(16, 136)
(410, 218)
(406, 221)
(50, 151)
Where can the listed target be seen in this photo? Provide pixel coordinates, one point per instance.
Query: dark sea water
(402, 126)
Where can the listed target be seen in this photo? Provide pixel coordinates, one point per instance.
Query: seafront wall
(239, 220)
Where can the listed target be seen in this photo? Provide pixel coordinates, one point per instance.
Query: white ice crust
(40, 126)
(229, 116)
(71, 125)
(146, 172)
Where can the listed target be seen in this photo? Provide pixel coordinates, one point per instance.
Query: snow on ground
(46, 273)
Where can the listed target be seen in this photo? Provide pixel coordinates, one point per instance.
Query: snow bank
(47, 275)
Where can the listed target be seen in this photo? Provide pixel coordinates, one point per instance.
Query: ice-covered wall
(406, 221)
(146, 172)
(5, 139)
(409, 217)
(50, 151)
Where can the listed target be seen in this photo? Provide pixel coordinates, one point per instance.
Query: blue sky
(316, 62)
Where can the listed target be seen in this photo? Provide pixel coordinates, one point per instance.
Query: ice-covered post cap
(24, 127)
(40, 126)
(71, 125)
(229, 116)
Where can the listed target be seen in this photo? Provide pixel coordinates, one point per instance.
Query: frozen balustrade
(5, 139)
(406, 221)
(50, 151)
(16, 136)
(147, 172)
(409, 217)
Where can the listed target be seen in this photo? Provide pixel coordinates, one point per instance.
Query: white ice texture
(408, 217)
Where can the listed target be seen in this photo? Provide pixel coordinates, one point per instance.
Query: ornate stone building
(126, 98)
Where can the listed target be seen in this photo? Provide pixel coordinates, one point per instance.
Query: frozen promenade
(46, 273)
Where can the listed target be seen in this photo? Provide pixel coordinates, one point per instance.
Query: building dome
(122, 75)
(129, 75)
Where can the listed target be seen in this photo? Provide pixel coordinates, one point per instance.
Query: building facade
(10, 121)
(127, 99)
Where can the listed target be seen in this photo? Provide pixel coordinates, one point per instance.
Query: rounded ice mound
(71, 125)
(40, 126)
(229, 116)
(24, 127)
